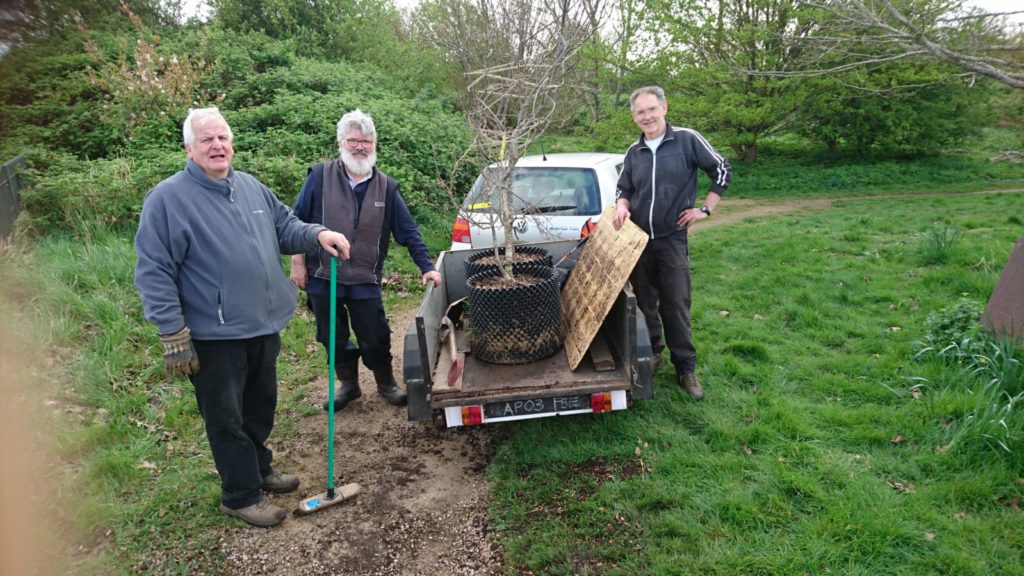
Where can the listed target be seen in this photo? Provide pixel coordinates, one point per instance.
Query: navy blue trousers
(373, 334)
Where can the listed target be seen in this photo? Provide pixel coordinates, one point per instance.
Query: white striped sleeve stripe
(720, 179)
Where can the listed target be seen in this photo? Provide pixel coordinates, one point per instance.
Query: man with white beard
(351, 196)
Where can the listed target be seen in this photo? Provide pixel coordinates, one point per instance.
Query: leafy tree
(927, 119)
(370, 31)
(25, 20)
(309, 21)
(710, 54)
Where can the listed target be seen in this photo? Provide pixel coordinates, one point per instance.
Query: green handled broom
(331, 497)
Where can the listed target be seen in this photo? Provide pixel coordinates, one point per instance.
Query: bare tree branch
(949, 32)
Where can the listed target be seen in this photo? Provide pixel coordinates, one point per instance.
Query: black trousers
(236, 390)
(661, 281)
(370, 324)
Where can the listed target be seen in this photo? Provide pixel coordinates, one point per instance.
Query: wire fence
(9, 186)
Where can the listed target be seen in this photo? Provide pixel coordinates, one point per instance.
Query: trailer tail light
(473, 415)
(601, 402)
(460, 231)
(588, 228)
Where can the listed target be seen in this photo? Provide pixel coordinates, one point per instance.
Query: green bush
(953, 334)
(95, 151)
(64, 192)
(978, 402)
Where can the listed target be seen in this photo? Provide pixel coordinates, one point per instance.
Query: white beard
(356, 166)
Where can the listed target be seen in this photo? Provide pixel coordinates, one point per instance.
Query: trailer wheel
(439, 421)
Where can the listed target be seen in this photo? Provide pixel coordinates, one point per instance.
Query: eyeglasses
(356, 142)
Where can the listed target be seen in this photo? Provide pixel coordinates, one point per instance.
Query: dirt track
(422, 511)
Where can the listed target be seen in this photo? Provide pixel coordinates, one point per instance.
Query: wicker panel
(600, 273)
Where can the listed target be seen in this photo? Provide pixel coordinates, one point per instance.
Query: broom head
(320, 501)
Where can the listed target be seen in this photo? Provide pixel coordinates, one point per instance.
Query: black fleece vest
(340, 208)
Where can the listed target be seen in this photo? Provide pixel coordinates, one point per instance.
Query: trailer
(618, 369)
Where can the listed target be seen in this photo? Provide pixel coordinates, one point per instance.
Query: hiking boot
(262, 513)
(689, 382)
(349, 389)
(280, 483)
(388, 388)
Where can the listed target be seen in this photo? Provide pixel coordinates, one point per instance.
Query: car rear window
(570, 191)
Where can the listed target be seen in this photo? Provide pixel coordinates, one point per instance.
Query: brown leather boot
(388, 388)
(280, 483)
(689, 382)
(262, 513)
(349, 389)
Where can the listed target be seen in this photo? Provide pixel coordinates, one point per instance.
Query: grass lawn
(823, 446)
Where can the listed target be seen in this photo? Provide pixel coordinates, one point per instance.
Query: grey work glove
(180, 357)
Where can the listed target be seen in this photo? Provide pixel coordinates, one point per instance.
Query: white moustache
(359, 166)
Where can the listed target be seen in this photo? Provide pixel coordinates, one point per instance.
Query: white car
(555, 197)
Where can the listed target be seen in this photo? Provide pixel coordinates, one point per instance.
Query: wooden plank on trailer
(600, 354)
(600, 273)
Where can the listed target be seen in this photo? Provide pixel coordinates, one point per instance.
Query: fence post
(9, 186)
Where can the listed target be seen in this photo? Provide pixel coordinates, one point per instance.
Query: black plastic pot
(474, 266)
(519, 324)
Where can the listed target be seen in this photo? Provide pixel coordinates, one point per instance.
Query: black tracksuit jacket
(661, 185)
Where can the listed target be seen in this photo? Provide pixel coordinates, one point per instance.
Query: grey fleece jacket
(209, 256)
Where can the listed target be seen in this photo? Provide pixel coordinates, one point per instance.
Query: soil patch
(500, 282)
(422, 511)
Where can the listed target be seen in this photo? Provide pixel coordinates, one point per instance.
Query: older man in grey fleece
(210, 278)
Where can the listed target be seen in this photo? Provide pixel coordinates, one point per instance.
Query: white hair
(359, 121)
(201, 115)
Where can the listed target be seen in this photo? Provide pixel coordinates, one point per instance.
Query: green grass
(143, 494)
(811, 453)
(788, 467)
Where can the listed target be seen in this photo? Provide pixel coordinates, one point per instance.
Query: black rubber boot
(387, 387)
(349, 389)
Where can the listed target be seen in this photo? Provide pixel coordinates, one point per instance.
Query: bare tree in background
(857, 34)
(517, 57)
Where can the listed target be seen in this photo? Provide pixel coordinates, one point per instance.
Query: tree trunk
(747, 152)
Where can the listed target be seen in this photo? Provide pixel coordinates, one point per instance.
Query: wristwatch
(704, 208)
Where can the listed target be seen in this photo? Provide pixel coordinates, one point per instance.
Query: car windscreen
(539, 190)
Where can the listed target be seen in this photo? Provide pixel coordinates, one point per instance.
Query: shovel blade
(455, 372)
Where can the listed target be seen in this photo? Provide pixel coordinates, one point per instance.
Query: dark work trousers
(369, 323)
(236, 389)
(661, 281)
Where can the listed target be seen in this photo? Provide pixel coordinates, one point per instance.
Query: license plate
(534, 406)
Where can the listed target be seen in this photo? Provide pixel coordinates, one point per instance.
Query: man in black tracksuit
(657, 190)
